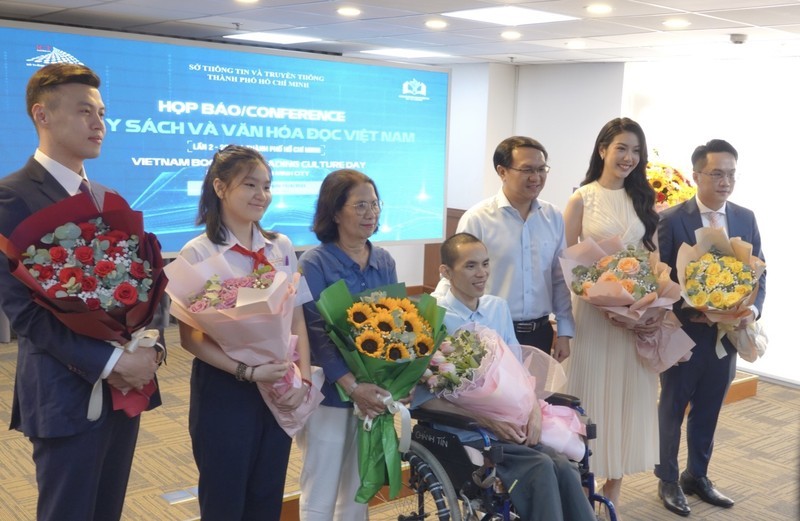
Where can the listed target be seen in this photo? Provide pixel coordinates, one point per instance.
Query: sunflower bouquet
(386, 340)
(633, 288)
(670, 185)
(719, 277)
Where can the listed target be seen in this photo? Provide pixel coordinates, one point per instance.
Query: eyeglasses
(362, 207)
(718, 175)
(542, 170)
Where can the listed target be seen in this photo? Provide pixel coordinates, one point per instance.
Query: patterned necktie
(259, 259)
(715, 219)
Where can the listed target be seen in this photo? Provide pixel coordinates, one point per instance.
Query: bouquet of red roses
(97, 271)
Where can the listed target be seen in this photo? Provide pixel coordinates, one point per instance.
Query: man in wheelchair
(544, 485)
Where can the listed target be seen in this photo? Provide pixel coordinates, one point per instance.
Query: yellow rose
(713, 269)
(712, 281)
(726, 278)
(706, 258)
(745, 276)
(731, 299)
(717, 299)
(699, 299)
(693, 286)
(743, 289)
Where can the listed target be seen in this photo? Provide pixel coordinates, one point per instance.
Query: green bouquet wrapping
(388, 341)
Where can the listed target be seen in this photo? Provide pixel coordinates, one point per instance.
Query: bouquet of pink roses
(97, 271)
(249, 317)
(635, 291)
(476, 370)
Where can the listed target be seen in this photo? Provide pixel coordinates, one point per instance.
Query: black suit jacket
(678, 225)
(56, 368)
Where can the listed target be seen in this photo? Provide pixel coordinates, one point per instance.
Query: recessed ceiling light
(349, 11)
(511, 35)
(247, 1)
(435, 24)
(406, 53)
(278, 38)
(598, 9)
(676, 23)
(509, 15)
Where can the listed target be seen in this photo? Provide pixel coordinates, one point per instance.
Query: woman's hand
(534, 427)
(268, 373)
(292, 399)
(369, 398)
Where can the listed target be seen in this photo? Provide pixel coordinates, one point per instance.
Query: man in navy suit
(82, 466)
(703, 381)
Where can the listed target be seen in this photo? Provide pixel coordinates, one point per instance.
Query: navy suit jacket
(56, 368)
(678, 225)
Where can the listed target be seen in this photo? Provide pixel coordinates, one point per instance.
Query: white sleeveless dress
(618, 393)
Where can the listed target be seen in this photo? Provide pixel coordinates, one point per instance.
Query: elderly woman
(347, 215)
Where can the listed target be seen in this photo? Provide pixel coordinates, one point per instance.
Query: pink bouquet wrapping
(476, 370)
(662, 343)
(257, 330)
(719, 277)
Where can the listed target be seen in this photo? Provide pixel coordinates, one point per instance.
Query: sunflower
(359, 313)
(412, 323)
(423, 345)
(407, 306)
(383, 322)
(370, 343)
(388, 303)
(396, 351)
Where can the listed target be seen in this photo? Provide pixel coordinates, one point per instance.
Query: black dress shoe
(671, 494)
(705, 490)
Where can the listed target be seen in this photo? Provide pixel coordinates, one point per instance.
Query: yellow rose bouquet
(719, 277)
(633, 288)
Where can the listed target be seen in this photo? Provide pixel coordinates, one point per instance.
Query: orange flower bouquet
(633, 288)
(719, 277)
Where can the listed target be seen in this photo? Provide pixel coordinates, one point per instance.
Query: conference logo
(414, 90)
(50, 54)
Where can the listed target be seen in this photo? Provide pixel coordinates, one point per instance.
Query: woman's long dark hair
(636, 185)
(229, 164)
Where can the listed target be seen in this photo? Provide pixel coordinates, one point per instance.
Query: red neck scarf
(259, 259)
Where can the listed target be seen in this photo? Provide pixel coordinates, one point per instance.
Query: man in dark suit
(82, 466)
(703, 381)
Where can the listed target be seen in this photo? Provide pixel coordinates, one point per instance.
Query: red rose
(118, 235)
(87, 231)
(45, 272)
(85, 254)
(115, 251)
(104, 267)
(54, 289)
(88, 283)
(137, 270)
(58, 254)
(93, 303)
(126, 294)
(66, 274)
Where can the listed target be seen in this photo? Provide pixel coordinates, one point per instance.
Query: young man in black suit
(82, 466)
(703, 381)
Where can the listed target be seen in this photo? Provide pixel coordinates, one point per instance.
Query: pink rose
(447, 367)
(438, 358)
(228, 298)
(199, 305)
(446, 348)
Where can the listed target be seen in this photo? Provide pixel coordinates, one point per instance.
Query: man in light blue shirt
(525, 236)
(548, 485)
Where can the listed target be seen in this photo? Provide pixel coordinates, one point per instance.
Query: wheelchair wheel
(431, 496)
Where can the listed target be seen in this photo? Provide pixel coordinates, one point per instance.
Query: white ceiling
(633, 31)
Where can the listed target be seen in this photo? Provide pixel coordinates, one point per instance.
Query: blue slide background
(160, 140)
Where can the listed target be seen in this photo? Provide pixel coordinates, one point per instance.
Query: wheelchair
(449, 481)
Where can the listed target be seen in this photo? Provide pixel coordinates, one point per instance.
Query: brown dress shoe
(671, 494)
(705, 490)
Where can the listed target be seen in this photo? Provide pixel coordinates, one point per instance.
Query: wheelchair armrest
(444, 418)
(564, 399)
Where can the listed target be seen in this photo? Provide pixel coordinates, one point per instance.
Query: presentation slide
(171, 104)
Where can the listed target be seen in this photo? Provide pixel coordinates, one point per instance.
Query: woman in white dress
(618, 392)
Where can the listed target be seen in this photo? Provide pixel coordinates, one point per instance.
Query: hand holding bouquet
(635, 291)
(386, 340)
(98, 272)
(719, 277)
(250, 318)
(476, 370)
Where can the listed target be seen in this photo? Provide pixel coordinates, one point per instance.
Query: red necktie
(259, 259)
